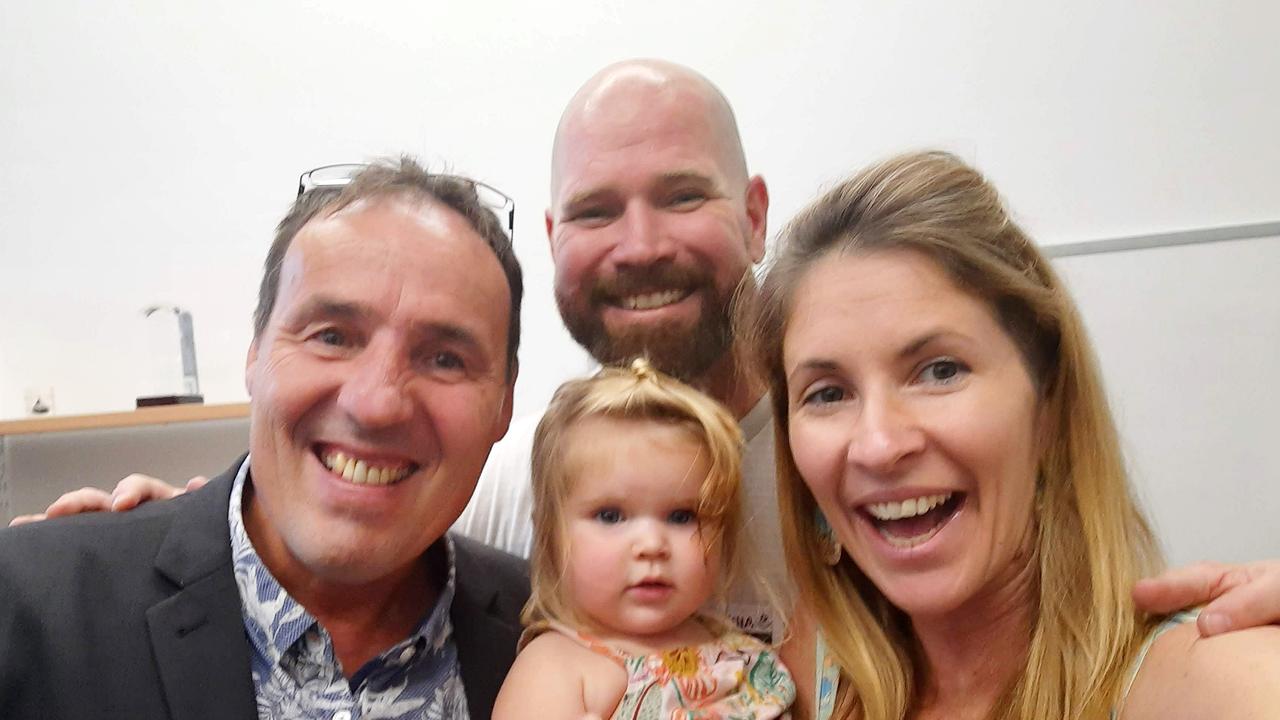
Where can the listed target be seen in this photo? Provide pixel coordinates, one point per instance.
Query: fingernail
(1214, 623)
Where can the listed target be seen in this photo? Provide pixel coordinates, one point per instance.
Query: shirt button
(342, 715)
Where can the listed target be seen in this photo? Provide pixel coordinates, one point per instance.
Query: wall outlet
(38, 401)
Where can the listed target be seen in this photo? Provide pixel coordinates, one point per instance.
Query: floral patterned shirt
(296, 675)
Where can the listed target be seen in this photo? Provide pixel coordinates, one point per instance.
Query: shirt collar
(757, 420)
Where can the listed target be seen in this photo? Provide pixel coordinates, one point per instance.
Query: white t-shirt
(501, 510)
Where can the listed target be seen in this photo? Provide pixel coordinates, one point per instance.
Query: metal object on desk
(38, 400)
(169, 385)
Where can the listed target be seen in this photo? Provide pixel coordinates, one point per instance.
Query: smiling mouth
(650, 300)
(364, 472)
(914, 521)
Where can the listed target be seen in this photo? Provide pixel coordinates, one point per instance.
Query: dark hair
(385, 178)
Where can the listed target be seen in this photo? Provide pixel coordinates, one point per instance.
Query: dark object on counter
(156, 400)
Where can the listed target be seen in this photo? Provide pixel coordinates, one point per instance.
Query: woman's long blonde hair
(638, 392)
(1092, 542)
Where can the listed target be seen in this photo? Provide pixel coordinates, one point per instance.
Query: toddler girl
(636, 481)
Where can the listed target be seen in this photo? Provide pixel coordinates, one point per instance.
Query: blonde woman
(954, 502)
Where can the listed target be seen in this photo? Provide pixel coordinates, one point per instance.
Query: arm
(1236, 675)
(546, 675)
(1235, 596)
(128, 494)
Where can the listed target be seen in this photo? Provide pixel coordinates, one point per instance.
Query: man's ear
(503, 419)
(551, 223)
(251, 359)
(758, 216)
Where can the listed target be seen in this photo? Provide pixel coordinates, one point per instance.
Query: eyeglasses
(337, 176)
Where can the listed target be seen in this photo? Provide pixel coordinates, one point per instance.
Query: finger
(138, 488)
(1250, 600)
(24, 519)
(88, 499)
(1180, 588)
(196, 483)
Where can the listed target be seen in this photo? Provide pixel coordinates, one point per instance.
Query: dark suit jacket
(136, 615)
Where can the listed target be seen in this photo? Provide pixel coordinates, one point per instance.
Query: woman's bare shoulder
(1234, 675)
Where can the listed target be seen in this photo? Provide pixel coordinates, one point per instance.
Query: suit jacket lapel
(197, 633)
(486, 639)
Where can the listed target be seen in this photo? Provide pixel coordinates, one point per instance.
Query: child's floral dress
(733, 677)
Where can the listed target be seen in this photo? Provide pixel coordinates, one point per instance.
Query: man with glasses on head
(315, 578)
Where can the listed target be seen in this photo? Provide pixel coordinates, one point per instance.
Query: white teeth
(911, 507)
(652, 300)
(360, 472)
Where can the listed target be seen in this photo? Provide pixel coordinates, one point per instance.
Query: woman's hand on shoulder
(1186, 675)
(558, 679)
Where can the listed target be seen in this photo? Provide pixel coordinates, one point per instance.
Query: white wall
(150, 146)
(1188, 339)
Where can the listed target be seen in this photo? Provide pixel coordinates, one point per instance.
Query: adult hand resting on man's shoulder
(128, 494)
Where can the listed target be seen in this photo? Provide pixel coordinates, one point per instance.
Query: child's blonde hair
(638, 392)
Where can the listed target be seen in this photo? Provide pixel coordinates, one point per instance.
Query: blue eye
(593, 216)
(686, 200)
(682, 517)
(331, 336)
(943, 372)
(608, 516)
(825, 396)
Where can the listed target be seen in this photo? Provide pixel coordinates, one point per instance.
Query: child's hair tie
(642, 369)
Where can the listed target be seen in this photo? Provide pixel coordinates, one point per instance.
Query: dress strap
(1169, 623)
(589, 642)
(828, 681)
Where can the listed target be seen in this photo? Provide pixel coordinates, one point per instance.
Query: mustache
(648, 279)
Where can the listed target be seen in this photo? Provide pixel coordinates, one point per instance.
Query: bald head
(647, 97)
(653, 220)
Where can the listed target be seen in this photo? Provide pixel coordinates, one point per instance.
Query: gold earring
(827, 542)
